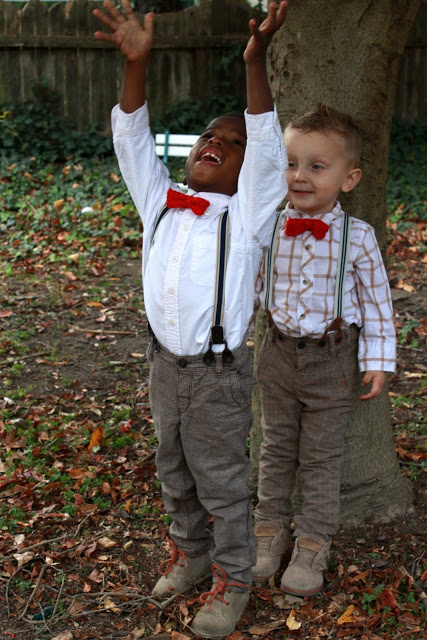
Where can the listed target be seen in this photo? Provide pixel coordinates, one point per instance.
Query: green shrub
(406, 185)
(35, 128)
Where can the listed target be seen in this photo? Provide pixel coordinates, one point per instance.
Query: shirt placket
(171, 283)
(306, 283)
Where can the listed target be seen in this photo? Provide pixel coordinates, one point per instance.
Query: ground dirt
(89, 352)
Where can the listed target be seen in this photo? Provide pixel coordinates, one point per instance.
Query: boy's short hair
(324, 119)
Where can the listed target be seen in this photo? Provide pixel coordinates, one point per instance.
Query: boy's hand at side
(377, 378)
(259, 95)
(133, 39)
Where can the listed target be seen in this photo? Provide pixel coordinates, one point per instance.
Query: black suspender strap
(217, 331)
(162, 213)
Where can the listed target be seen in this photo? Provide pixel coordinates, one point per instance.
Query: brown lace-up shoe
(179, 572)
(222, 608)
(272, 543)
(304, 575)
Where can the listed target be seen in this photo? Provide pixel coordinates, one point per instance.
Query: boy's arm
(377, 338)
(258, 90)
(134, 41)
(377, 378)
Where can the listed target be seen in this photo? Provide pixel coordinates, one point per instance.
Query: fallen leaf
(96, 439)
(64, 635)
(136, 633)
(261, 630)
(109, 604)
(23, 558)
(292, 623)
(106, 543)
(347, 617)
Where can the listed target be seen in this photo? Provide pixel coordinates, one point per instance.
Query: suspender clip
(227, 355)
(217, 334)
(209, 357)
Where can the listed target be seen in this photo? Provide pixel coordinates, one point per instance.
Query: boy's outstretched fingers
(377, 378)
(274, 20)
(261, 36)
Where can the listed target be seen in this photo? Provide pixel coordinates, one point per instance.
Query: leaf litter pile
(82, 526)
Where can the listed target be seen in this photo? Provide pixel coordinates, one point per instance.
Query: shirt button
(175, 259)
(302, 316)
(171, 290)
(186, 227)
(305, 281)
(171, 323)
(207, 212)
(308, 247)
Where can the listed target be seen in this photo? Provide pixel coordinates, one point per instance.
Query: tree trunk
(347, 54)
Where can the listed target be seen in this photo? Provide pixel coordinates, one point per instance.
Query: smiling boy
(330, 314)
(201, 255)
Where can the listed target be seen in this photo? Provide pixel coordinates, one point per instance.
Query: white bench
(174, 145)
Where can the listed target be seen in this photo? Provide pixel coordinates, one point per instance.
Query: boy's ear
(351, 180)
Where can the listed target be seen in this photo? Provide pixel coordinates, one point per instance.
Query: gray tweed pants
(202, 419)
(307, 393)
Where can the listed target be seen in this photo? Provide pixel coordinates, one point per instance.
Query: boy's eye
(317, 166)
(291, 165)
(240, 143)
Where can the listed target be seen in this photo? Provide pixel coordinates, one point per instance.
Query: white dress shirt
(304, 286)
(179, 269)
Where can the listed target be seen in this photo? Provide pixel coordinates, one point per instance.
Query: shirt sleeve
(377, 339)
(145, 175)
(262, 184)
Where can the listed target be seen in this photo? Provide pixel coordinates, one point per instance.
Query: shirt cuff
(258, 123)
(129, 123)
(377, 357)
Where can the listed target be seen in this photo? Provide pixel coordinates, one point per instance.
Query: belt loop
(218, 365)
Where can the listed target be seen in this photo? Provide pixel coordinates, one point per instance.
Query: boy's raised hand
(262, 35)
(132, 38)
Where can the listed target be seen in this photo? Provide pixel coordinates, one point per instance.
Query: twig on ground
(42, 571)
(103, 332)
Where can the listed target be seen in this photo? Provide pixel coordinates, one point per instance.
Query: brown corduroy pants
(307, 392)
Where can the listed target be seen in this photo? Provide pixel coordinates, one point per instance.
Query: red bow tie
(295, 226)
(179, 200)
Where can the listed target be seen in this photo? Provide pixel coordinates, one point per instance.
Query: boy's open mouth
(210, 156)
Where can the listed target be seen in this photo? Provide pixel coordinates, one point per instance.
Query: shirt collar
(327, 218)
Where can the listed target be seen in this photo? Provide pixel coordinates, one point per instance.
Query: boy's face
(215, 160)
(319, 169)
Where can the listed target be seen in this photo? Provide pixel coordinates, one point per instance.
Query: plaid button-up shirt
(304, 287)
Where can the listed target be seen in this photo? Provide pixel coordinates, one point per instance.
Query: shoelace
(219, 587)
(167, 565)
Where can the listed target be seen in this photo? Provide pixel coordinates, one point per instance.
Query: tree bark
(347, 54)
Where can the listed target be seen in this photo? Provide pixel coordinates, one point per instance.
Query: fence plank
(194, 51)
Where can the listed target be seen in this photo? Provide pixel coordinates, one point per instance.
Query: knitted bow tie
(179, 200)
(295, 226)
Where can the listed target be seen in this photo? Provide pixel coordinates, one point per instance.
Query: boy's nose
(215, 140)
(299, 175)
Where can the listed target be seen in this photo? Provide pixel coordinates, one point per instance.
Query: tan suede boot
(179, 572)
(304, 575)
(222, 608)
(272, 543)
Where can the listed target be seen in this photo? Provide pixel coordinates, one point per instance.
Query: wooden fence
(55, 45)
